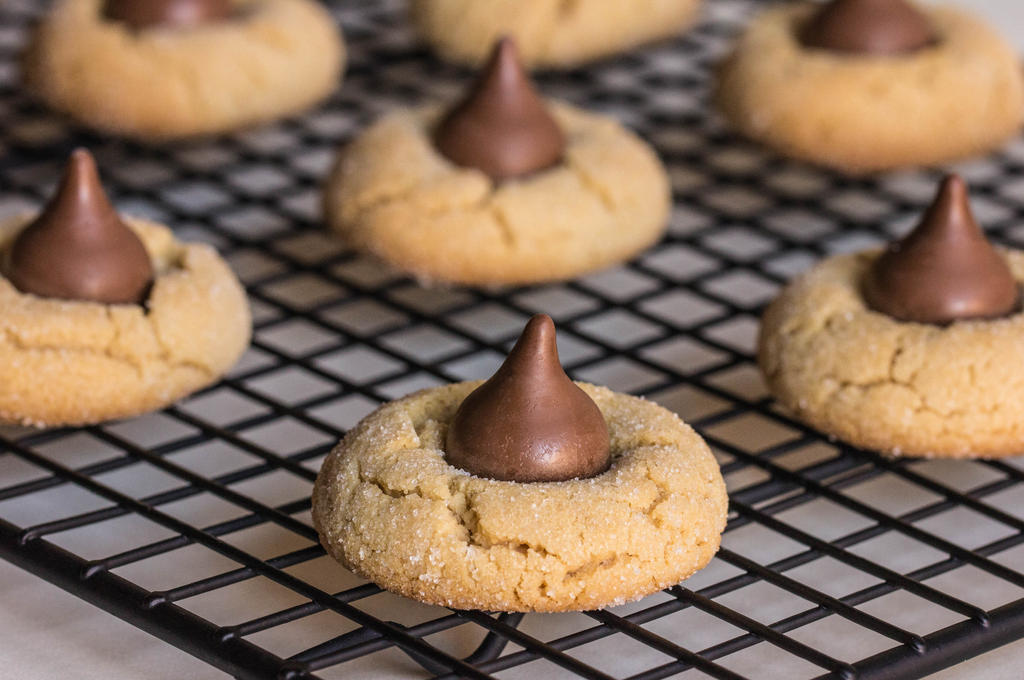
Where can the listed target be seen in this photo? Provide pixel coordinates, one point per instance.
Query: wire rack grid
(193, 523)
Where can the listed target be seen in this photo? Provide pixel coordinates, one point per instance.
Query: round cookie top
(389, 506)
(859, 112)
(502, 125)
(78, 248)
(550, 33)
(944, 270)
(530, 422)
(870, 27)
(80, 362)
(902, 388)
(142, 14)
(915, 350)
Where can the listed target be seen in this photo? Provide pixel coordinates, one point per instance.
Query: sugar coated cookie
(550, 32)
(71, 363)
(268, 59)
(917, 350)
(865, 105)
(624, 499)
(105, 317)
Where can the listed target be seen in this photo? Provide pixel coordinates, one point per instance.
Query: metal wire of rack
(192, 524)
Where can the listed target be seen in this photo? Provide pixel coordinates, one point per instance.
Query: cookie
(502, 188)
(614, 508)
(103, 316)
(959, 96)
(917, 351)
(393, 195)
(69, 362)
(272, 58)
(549, 32)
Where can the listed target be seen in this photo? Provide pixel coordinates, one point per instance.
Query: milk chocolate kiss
(874, 27)
(78, 248)
(529, 422)
(944, 270)
(141, 14)
(502, 126)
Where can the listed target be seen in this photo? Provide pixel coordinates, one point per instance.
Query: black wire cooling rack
(193, 523)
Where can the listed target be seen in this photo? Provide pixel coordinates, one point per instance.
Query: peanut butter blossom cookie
(105, 317)
(527, 492)
(158, 69)
(550, 32)
(501, 188)
(865, 85)
(917, 350)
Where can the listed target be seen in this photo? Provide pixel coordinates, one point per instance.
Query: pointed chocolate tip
(529, 422)
(540, 324)
(945, 269)
(538, 338)
(77, 248)
(950, 210)
(83, 164)
(142, 14)
(504, 61)
(870, 27)
(954, 185)
(502, 126)
(949, 215)
(81, 181)
(506, 51)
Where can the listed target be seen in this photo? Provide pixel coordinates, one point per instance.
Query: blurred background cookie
(549, 32)
(157, 69)
(865, 85)
(502, 188)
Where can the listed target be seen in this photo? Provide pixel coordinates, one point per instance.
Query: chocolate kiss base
(530, 422)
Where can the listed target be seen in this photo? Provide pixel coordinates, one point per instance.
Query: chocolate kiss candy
(176, 13)
(944, 270)
(529, 422)
(78, 248)
(876, 27)
(502, 127)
